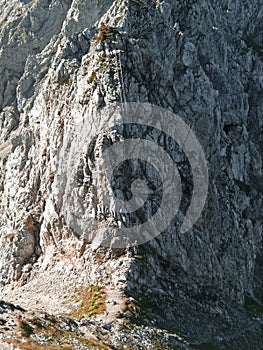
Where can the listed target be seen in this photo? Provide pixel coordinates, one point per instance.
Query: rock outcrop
(61, 64)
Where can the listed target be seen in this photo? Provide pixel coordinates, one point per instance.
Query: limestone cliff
(61, 64)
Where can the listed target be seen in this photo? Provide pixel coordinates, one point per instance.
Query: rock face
(61, 63)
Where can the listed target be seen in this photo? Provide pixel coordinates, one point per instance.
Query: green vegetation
(55, 337)
(64, 339)
(32, 345)
(64, 342)
(158, 345)
(92, 302)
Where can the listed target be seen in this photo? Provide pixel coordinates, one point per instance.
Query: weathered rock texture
(200, 59)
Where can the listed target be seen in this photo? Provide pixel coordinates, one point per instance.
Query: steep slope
(61, 64)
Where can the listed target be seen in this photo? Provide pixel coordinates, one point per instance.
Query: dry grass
(102, 57)
(101, 37)
(92, 302)
(158, 345)
(10, 237)
(92, 77)
(131, 307)
(56, 338)
(33, 345)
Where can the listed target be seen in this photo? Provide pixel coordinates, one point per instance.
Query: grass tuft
(92, 77)
(92, 302)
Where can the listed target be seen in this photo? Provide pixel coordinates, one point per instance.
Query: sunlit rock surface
(202, 60)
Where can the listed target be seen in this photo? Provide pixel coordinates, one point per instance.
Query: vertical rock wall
(200, 59)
